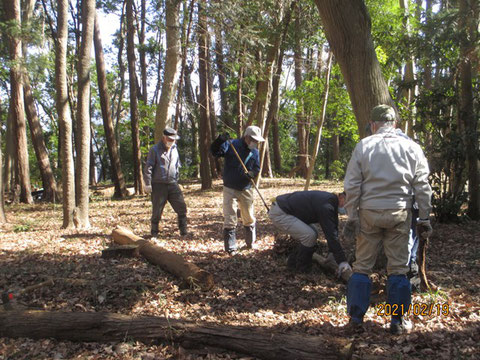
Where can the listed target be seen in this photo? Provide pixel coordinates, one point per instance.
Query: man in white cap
(161, 179)
(237, 184)
(384, 173)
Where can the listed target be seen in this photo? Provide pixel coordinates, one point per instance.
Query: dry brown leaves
(252, 288)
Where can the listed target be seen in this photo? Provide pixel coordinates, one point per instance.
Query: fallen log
(104, 327)
(167, 260)
(330, 266)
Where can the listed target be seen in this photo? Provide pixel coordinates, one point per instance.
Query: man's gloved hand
(351, 229)
(342, 267)
(424, 228)
(224, 137)
(148, 189)
(251, 174)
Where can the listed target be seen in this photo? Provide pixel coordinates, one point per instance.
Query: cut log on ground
(330, 266)
(104, 327)
(173, 263)
(120, 251)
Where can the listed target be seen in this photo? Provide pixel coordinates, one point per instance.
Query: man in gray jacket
(384, 173)
(161, 176)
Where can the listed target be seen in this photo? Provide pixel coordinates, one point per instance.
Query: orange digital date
(413, 309)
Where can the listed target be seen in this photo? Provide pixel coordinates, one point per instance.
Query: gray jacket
(162, 165)
(384, 172)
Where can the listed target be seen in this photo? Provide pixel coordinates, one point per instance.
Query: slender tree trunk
(347, 27)
(335, 147)
(215, 166)
(277, 153)
(134, 114)
(187, 25)
(240, 101)
(3, 218)
(141, 52)
(468, 22)
(9, 153)
(222, 83)
(409, 91)
(112, 146)
(64, 117)
(192, 110)
(321, 120)
(121, 70)
(172, 61)
(274, 99)
(204, 126)
(82, 170)
(302, 163)
(12, 10)
(48, 180)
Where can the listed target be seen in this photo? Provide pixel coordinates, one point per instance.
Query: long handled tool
(246, 173)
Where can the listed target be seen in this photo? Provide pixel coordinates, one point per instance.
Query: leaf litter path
(252, 288)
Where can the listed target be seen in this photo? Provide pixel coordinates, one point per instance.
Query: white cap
(255, 133)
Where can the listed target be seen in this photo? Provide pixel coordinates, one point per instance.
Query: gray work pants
(296, 228)
(161, 193)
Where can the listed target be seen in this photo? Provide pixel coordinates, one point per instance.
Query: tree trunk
(347, 27)
(112, 146)
(468, 16)
(193, 110)
(240, 101)
(222, 83)
(82, 170)
(134, 114)
(410, 88)
(64, 115)
(204, 125)
(3, 218)
(274, 99)
(173, 263)
(303, 160)
(257, 342)
(48, 180)
(8, 176)
(12, 11)
(321, 120)
(172, 61)
(215, 165)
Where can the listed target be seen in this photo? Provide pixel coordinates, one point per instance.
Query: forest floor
(252, 287)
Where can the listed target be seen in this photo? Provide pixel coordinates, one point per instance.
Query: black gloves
(224, 137)
(215, 147)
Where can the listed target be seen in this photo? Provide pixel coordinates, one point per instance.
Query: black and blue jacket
(233, 173)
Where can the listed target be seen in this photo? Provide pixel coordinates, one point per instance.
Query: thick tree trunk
(12, 10)
(193, 109)
(64, 115)
(347, 27)
(134, 114)
(167, 260)
(204, 124)
(468, 15)
(112, 146)
(172, 61)
(104, 327)
(82, 170)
